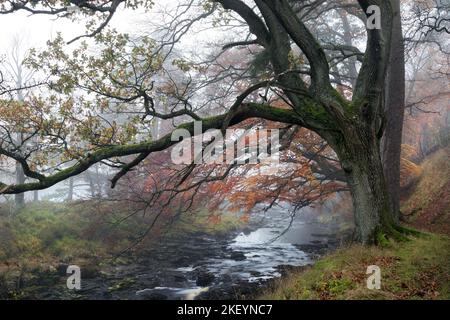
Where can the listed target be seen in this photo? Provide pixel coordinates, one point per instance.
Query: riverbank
(39, 242)
(198, 257)
(417, 269)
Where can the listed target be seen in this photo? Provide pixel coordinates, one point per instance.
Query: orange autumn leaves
(245, 187)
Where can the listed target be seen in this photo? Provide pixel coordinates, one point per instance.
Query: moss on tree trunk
(359, 152)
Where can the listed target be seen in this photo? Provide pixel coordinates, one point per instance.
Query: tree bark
(394, 113)
(19, 199)
(359, 153)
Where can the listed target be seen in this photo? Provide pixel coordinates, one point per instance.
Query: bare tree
(20, 76)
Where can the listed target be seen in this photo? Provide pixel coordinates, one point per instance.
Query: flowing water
(203, 267)
(253, 257)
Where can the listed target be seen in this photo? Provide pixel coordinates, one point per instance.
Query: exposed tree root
(409, 231)
(396, 233)
(386, 234)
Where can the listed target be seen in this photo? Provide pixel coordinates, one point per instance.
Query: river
(203, 267)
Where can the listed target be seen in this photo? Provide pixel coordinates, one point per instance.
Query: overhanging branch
(246, 111)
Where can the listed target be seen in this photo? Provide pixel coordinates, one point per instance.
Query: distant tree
(20, 76)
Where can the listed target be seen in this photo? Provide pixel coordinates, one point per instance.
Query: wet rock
(244, 289)
(204, 278)
(182, 260)
(179, 278)
(229, 291)
(225, 278)
(61, 269)
(89, 287)
(44, 279)
(324, 235)
(90, 272)
(237, 256)
(153, 296)
(144, 261)
(255, 273)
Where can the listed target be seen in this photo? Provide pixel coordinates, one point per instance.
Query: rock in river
(237, 256)
(204, 278)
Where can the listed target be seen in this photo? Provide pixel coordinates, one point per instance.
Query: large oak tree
(352, 126)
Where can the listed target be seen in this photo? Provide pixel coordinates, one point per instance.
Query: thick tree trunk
(370, 197)
(361, 160)
(394, 111)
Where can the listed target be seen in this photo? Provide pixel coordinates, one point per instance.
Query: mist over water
(256, 256)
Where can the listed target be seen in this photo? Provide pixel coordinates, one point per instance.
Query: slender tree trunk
(91, 184)
(70, 193)
(348, 40)
(394, 112)
(20, 175)
(35, 196)
(20, 179)
(98, 183)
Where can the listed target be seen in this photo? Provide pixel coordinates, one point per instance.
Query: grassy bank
(417, 269)
(66, 231)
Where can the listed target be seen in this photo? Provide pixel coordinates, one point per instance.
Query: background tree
(16, 72)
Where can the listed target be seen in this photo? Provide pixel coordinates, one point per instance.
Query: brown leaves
(424, 286)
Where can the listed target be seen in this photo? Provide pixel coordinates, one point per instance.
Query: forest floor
(416, 269)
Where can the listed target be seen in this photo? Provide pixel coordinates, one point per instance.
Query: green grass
(49, 231)
(417, 269)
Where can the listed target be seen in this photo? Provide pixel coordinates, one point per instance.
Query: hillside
(427, 204)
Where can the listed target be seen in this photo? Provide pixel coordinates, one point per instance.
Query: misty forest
(224, 149)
